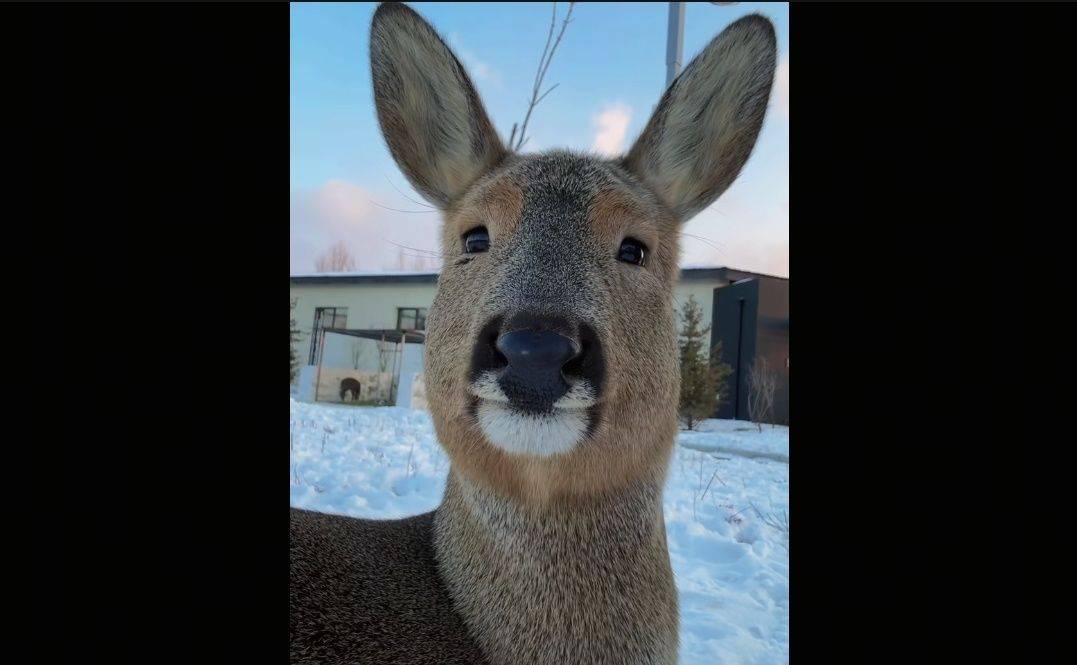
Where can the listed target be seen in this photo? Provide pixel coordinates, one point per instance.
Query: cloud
(611, 125)
(343, 211)
(343, 205)
(781, 87)
(478, 69)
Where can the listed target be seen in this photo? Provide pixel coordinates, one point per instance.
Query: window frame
(414, 313)
(319, 327)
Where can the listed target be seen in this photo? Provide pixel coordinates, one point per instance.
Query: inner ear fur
(429, 112)
(705, 127)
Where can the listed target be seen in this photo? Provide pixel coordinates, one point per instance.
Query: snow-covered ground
(726, 509)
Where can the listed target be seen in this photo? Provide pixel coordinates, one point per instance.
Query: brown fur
(557, 559)
(606, 463)
(357, 586)
(496, 205)
(586, 581)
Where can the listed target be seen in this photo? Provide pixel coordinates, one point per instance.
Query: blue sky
(610, 68)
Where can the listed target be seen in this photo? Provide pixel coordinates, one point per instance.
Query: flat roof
(688, 274)
(377, 334)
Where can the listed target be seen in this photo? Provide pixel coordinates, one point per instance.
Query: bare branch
(546, 93)
(337, 259)
(546, 48)
(544, 64)
(568, 19)
(762, 387)
(713, 476)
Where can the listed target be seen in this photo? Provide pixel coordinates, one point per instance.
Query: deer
(350, 385)
(551, 373)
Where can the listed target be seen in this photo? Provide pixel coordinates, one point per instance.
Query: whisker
(419, 203)
(398, 209)
(428, 252)
(707, 241)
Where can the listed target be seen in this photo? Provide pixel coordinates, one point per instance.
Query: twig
(713, 476)
(544, 65)
(776, 521)
(547, 92)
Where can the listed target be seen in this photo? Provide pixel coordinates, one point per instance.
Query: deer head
(551, 361)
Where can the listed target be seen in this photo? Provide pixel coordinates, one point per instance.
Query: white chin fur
(528, 434)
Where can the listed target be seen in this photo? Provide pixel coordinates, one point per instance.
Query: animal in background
(350, 385)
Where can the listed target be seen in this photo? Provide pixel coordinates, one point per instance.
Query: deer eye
(632, 251)
(476, 240)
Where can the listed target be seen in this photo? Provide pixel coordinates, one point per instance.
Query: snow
(740, 438)
(726, 509)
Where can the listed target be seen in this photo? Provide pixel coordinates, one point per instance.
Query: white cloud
(781, 87)
(343, 211)
(478, 69)
(611, 125)
(343, 205)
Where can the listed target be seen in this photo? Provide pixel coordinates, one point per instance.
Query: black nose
(536, 351)
(532, 378)
(535, 357)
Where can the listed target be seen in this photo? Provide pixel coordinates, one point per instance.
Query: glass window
(411, 318)
(325, 317)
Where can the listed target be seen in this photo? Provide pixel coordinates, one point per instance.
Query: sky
(610, 70)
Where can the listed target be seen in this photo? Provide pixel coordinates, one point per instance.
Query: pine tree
(703, 375)
(291, 346)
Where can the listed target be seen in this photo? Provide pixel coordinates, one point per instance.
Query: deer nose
(532, 378)
(537, 358)
(536, 351)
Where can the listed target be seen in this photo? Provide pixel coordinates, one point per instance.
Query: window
(411, 318)
(325, 317)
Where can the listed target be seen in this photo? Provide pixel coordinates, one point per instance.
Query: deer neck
(581, 580)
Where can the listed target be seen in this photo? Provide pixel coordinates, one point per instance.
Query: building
(751, 320)
(388, 302)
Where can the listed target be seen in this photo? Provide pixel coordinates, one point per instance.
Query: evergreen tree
(703, 375)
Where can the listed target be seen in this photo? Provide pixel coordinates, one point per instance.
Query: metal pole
(675, 41)
(318, 377)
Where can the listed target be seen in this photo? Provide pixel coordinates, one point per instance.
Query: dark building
(751, 319)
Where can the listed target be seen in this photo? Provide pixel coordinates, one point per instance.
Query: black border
(177, 525)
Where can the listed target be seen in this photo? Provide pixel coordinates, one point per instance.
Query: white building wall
(370, 306)
(374, 306)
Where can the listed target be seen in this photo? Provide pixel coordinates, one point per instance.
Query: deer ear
(706, 125)
(430, 114)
